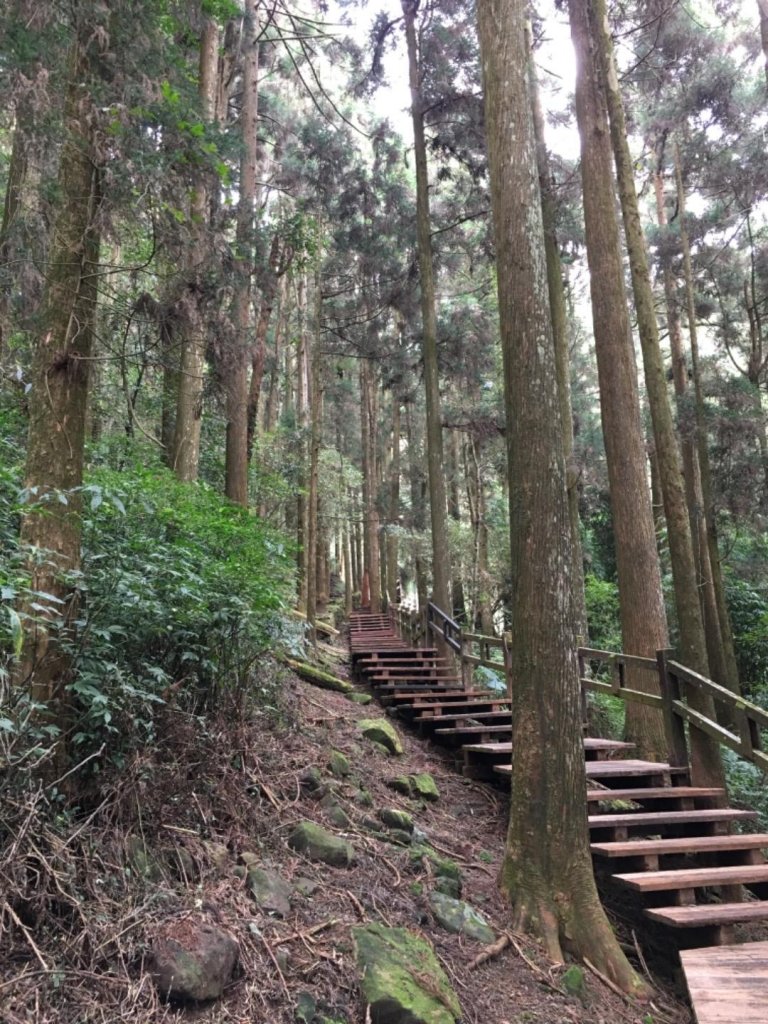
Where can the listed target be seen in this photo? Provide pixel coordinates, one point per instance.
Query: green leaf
(17, 633)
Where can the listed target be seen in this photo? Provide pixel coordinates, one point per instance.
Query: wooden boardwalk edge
(728, 984)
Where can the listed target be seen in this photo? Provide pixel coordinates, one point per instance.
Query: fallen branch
(320, 627)
(306, 933)
(490, 952)
(315, 676)
(606, 981)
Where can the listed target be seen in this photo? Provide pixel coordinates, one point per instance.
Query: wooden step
(653, 793)
(654, 819)
(418, 697)
(693, 878)
(679, 846)
(709, 915)
(474, 730)
(468, 717)
(728, 985)
(445, 711)
(604, 770)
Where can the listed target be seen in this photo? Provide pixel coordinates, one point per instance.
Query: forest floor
(85, 897)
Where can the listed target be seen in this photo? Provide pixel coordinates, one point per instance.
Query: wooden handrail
(674, 680)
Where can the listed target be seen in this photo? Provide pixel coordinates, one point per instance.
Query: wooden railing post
(466, 667)
(507, 653)
(582, 662)
(674, 725)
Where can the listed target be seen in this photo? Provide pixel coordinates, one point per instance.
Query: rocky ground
(309, 866)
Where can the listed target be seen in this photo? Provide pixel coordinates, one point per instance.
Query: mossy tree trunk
(58, 405)
(547, 869)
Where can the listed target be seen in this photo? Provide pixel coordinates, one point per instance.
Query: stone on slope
(271, 892)
(457, 916)
(401, 979)
(318, 844)
(381, 731)
(360, 698)
(424, 786)
(338, 764)
(392, 817)
(192, 960)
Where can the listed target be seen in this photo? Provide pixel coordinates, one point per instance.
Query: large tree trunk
(59, 398)
(441, 565)
(763, 9)
(547, 869)
(190, 373)
(706, 766)
(236, 386)
(643, 618)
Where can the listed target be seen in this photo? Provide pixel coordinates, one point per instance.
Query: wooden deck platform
(728, 984)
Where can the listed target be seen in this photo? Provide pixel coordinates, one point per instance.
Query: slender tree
(441, 566)
(643, 618)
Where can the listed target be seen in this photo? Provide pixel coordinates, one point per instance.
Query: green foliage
(746, 787)
(179, 595)
(602, 599)
(749, 619)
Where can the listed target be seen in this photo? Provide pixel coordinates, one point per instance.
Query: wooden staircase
(651, 831)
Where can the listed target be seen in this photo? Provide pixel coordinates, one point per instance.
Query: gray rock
(456, 916)
(448, 886)
(318, 844)
(192, 960)
(271, 892)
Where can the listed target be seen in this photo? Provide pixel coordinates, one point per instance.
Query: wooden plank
(709, 915)
(652, 819)
(693, 878)
(653, 793)
(626, 768)
(728, 984)
(687, 844)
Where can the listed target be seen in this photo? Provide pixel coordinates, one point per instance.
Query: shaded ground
(79, 911)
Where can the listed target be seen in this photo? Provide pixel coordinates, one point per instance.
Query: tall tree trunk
(453, 467)
(418, 517)
(14, 190)
(643, 619)
(706, 765)
(547, 870)
(59, 397)
(394, 504)
(441, 565)
(316, 407)
(277, 267)
(763, 9)
(185, 459)
(368, 420)
(302, 422)
(702, 436)
(236, 456)
(558, 308)
(722, 659)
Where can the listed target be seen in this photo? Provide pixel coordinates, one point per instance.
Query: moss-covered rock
(456, 916)
(398, 837)
(400, 784)
(318, 844)
(392, 817)
(443, 867)
(424, 786)
(192, 960)
(363, 798)
(401, 979)
(338, 764)
(379, 730)
(337, 815)
(449, 886)
(360, 698)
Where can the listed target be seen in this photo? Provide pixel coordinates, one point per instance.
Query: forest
(305, 307)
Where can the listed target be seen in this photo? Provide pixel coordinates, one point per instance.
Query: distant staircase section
(651, 831)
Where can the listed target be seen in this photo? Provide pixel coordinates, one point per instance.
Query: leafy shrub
(602, 597)
(749, 618)
(180, 595)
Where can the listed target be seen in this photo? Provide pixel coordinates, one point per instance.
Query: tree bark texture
(185, 459)
(236, 386)
(547, 869)
(394, 505)
(368, 421)
(706, 765)
(441, 565)
(643, 618)
(59, 397)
